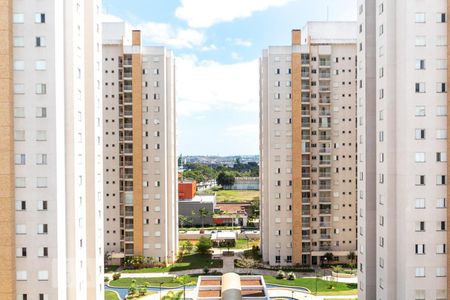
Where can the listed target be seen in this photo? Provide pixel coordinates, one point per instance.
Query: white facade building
(403, 55)
(51, 149)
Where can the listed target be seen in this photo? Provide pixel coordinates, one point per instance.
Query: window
(440, 226)
(42, 275)
(41, 112)
(21, 275)
(420, 272)
(420, 64)
(18, 41)
(21, 205)
(441, 17)
(441, 87)
(19, 88)
(420, 41)
(19, 112)
(420, 134)
(39, 18)
(20, 159)
(441, 64)
(420, 18)
(420, 226)
(40, 41)
(21, 229)
(441, 271)
(41, 135)
(21, 252)
(20, 182)
(441, 180)
(41, 65)
(42, 228)
(441, 249)
(41, 159)
(419, 294)
(420, 203)
(41, 182)
(420, 249)
(18, 18)
(19, 65)
(441, 110)
(441, 40)
(441, 156)
(420, 157)
(441, 203)
(41, 88)
(420, 111)
(420, 87)
(42, 205)
(277, 259)
(441, 134)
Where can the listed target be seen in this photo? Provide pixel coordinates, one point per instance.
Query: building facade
(140, 165)
(402, 48)
(308, 145)
(50, 150)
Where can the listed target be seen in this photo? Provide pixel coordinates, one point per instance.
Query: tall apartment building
(403, 81)
(50, 150)
(140, 171)
(308, 145)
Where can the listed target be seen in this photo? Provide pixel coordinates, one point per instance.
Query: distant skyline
(217, 44)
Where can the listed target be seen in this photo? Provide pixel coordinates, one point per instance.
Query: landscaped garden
(324, 287)
(110, 295)
(187, 262)
(167, 282)
(235, 195)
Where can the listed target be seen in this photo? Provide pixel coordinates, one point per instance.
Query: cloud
(235, 56)
(211, 47)
(251, 129)
(207, 85)
(241, 42)
(205, 13)
(163, 34)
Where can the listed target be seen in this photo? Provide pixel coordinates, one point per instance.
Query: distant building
(186, 189)
(232, 213)
(244, 183)
(191, 208)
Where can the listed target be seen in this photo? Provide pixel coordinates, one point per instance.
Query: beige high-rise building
(403, 128)
(308, 145)
(51, 205)
(140, 171)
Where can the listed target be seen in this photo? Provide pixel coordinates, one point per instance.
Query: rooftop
(330, 32)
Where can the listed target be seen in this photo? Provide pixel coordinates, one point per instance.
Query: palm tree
(183, 279)
(203, 213)
(352, 257)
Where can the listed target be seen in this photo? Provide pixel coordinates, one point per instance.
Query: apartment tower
(402, 86)
(140, 171)
(308, 146)
(50, 150)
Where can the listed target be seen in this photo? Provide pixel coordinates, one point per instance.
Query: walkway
(293, 294)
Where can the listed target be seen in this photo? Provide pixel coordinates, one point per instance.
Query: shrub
(106, 279)
(206, 270)
(291, 276)
(116, 276)
(280, 274)
(204, 245)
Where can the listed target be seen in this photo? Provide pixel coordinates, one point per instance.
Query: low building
(244, 183)
(187, 189)
(232, 214)
(191, 208)
(231, 286)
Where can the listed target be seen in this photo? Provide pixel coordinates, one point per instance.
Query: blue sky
(217, 44)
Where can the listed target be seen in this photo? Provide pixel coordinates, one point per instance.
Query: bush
(281, 274)
(206, 270)
(106, 279)
(291, 276)
(204, 245)
(116, 276)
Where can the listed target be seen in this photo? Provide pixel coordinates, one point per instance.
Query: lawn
(167, 282)
(110, 295)
(189, 262)
(235, 196)
(323, 287)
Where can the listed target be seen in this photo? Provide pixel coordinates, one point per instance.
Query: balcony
(324, 75)
(306, 187)
(325, 112)
(325, 150)
(325, 224)
(324, 248)
(325, 186)
(306, 237)
(305, 74)
(324, 62)
(325, 211)
(325, 174)
(128, 239)
(127, 87)
(305, 225)
(325, 236)
(324, 88)
(324, 137)
(127, 62)
(324, 199)
(324, 100)
(129, 226)
(127, 74)
(306, 212)
(306, 249)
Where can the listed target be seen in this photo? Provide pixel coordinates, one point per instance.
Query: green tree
(225, 178)
(352, 257)
(204, 245)
(203, 214)
(183, 280)
(173, 295)
(189, 246)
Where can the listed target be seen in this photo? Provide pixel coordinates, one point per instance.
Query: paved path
(228, 264)
(284, 292)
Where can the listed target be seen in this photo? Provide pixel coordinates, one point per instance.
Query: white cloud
(211, 47)
(235, 56)
(206, 85)
(205, 13)
(164, 34)
(251, 129)
(241, 42)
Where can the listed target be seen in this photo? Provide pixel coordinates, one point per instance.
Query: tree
(247, 263)
(204, 245)
(352, 257)
(203, 214)
(329, 256)
(189, 246)
(172, 295)
(183, 280)
(184, 220)
(225, 178)
(107, 258)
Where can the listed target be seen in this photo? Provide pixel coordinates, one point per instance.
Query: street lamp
(316, 282)
(292, 291)
(160, 288)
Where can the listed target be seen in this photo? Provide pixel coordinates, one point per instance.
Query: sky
(217, 44)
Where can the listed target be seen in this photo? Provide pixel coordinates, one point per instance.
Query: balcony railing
(324, 100)
(325, 199)
(324, 248)
(306, 212)
(325, 186)
(129, 226)
(306, 237)
(325, 211)
(325, 224)
(325, 236)
(325, 150)
(306, 200)
(324, 63)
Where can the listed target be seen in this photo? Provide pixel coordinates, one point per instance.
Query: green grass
(323, 287)
(110, 295)
(242, 244)
(168, 282)
(235, 196)
(189, 262)
(111, 269)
